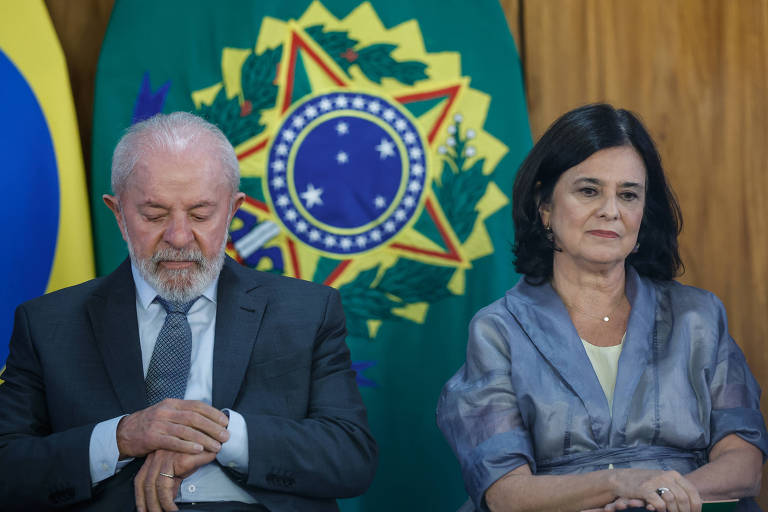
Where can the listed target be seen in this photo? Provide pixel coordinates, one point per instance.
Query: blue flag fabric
(46, 225)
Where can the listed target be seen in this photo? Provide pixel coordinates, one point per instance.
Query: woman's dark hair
(570, 140)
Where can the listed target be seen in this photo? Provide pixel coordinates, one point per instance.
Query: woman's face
(596, 208)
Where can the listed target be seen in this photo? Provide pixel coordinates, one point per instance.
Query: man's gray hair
(175, 132)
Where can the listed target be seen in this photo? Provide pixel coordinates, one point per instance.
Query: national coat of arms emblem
(364, 160)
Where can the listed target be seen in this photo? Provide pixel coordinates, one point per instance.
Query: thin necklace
(606, 318)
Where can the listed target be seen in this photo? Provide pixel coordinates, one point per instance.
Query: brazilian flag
(45, 228)
(378, 143)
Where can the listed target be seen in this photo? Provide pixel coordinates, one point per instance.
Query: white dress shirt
(208, 483)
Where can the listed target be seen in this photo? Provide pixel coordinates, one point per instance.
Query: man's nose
(178, 232)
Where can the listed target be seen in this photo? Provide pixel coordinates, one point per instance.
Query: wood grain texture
(81, 26)
(512, 11)
(696, 72)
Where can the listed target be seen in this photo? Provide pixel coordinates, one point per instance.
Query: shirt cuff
(103, 452)
(234, 452)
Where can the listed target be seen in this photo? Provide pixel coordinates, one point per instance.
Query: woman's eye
(588, 191)
(628, 196)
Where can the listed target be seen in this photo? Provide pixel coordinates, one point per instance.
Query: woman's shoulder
(522, 310)
(500, 328)
(495, 310)
(683, 296)
(686, 303)
(522, 294)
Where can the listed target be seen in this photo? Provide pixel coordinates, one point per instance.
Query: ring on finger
(167, 475)
(660, 491)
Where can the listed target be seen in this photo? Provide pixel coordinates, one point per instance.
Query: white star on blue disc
(312, 196)
(347, 171)
(385, 148)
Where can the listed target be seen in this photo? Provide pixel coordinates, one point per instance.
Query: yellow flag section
(46, 223)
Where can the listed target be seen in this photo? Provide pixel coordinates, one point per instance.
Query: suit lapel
(112, 312)
(239, 312)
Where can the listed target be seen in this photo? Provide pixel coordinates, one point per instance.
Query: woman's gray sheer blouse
(528, 393)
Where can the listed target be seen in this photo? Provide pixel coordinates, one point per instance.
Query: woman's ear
(545, 210)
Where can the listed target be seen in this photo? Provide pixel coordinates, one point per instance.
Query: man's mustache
(170, 254)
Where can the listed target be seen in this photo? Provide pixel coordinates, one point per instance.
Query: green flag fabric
(378, 143)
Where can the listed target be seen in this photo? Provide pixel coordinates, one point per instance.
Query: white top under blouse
(605, 361)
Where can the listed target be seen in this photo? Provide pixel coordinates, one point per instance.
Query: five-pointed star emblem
(385, 148)
(312, 195)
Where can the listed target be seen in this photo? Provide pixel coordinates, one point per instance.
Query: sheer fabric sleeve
(478, 409)
(734, 392)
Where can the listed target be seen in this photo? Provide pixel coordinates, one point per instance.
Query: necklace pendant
(605, 319)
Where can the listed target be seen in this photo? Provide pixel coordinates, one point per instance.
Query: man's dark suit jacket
(280, 360)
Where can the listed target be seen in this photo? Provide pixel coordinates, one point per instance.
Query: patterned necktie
(169, 367)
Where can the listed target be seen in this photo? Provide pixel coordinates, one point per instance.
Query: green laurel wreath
(375, 61)
(240, 117)
(460, 188)
(242, 120)
(460, 191)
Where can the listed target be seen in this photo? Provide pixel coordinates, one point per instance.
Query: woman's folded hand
(662, 491)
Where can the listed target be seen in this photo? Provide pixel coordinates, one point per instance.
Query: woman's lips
(603, 234)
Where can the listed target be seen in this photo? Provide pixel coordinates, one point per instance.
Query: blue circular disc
(30, 197)
(346, 172)
(349, 201)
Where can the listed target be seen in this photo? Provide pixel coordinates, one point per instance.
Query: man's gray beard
(184, 284)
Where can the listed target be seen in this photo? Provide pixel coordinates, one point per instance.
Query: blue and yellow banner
(44, 216)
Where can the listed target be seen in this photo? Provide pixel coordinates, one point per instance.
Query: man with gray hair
(182, 380)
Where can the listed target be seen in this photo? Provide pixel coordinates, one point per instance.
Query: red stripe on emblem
(294, 259)
(258, 147)
(451, 92)
(336, 272)
(297, 41)
(452, 254)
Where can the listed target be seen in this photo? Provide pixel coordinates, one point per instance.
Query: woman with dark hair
(598, 382)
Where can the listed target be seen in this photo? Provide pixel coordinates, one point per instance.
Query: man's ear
(114, 204)
(239, 198)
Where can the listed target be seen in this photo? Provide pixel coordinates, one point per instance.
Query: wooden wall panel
(513, 14)
(81, 26)
(696, 72)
